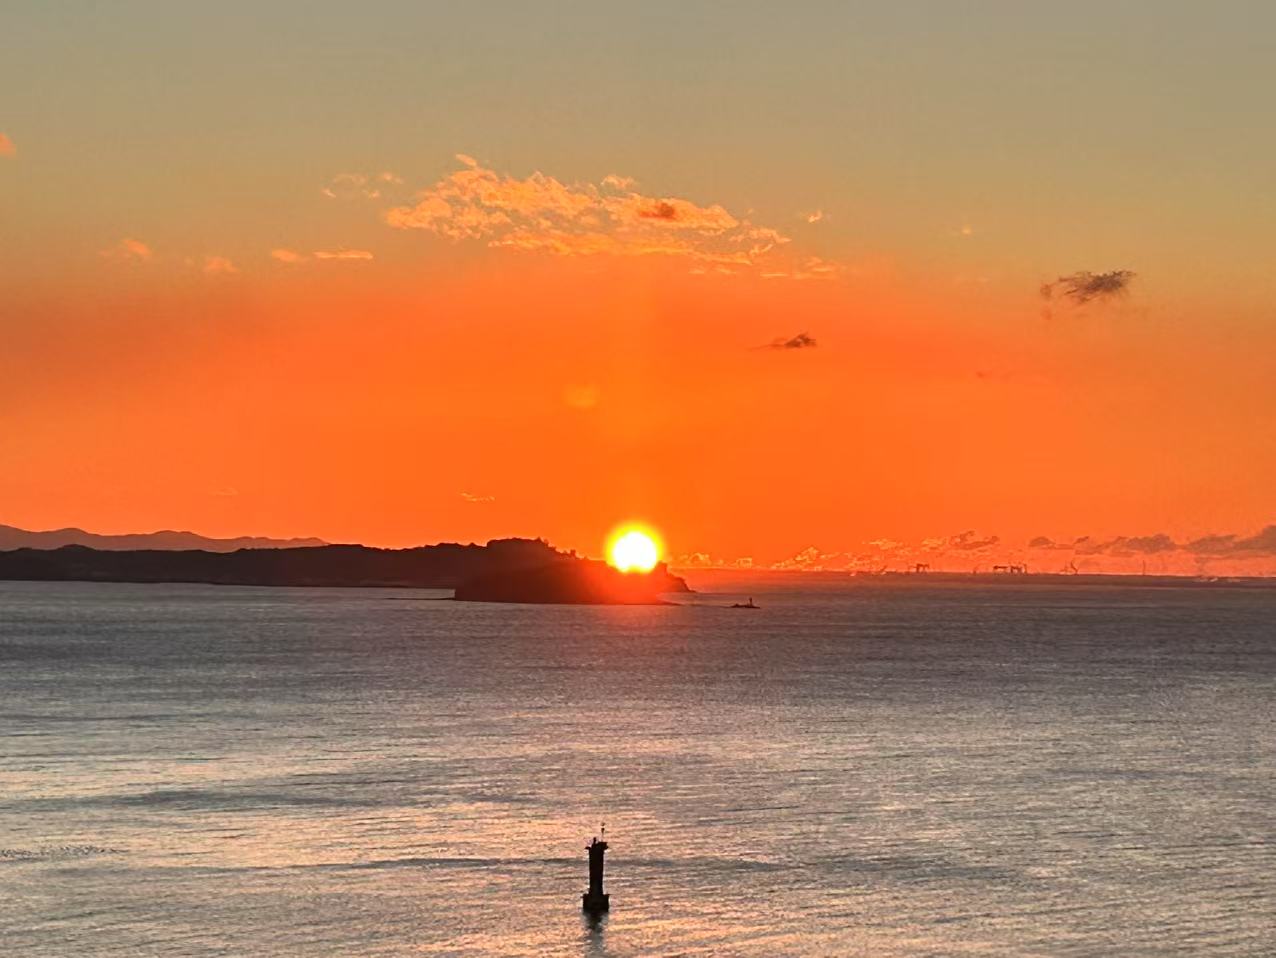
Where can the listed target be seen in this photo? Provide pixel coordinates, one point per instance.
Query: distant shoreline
(451, 565)
(502, 570)
(1054, 579)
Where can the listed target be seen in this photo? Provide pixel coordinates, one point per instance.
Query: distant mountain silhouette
(442, 566)
(14, 538)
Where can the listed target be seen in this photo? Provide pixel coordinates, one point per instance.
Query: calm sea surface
(851, 770)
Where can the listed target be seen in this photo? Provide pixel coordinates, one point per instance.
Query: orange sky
(516, 394)
(377, 341)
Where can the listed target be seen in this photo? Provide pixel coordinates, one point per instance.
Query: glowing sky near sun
(849, 278)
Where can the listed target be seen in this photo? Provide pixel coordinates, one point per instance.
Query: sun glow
(633, 549)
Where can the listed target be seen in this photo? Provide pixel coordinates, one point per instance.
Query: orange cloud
(359, 185)
(541, 213)
(128, 250)
(219, 266)
(7, 147)
(291, 256)
(344, 254)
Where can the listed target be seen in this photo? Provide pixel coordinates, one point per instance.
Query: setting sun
(633, 550)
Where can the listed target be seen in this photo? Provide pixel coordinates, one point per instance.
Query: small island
(574, 581)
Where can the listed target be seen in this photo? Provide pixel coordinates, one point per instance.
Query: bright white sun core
(633, 550)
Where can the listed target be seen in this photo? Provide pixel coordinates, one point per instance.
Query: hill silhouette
(443, 566)
(12, 537)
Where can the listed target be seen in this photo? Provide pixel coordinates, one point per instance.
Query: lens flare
(633, 549)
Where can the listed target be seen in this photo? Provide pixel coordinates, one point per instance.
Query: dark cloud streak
(1085, 287)
(800, 341)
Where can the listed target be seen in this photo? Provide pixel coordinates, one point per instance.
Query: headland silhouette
(502, 570)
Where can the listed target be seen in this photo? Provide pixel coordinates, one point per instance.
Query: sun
(633, 549)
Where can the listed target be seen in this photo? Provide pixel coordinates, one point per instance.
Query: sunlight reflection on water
(204, 771)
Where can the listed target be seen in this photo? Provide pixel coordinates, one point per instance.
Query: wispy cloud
(219, 266)
(292, 256)
(7, 147)
(610, 218)
(959, 551)
(128, 250)
(471, 497)
(346, 186)
(1084, 287)
(814, 216)
(343, 254)
(1262, 543)
(970, 542)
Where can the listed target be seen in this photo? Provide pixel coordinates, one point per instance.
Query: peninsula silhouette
(502, 570)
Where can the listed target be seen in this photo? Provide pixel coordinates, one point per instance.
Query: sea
(853, 768)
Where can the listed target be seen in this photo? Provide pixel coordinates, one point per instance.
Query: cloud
(128, 250)
(969, 542)
(542, 214)
(292, 257)
(1144, 545)
(800, 341)
(1123, 546)
(813, 267)
(1084, 287)
(1262, 543)
(349, 186)
(1232, 545)
(218, 266)
(814, 216)
(704, 560)
(812, 559)
(881, 554)
(470, 497)
(7, 147)
(344, 254)
(1158, 552)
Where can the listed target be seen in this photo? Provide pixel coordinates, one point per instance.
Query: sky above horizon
(865, 283)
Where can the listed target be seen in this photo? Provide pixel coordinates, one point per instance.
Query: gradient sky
(402, 272)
